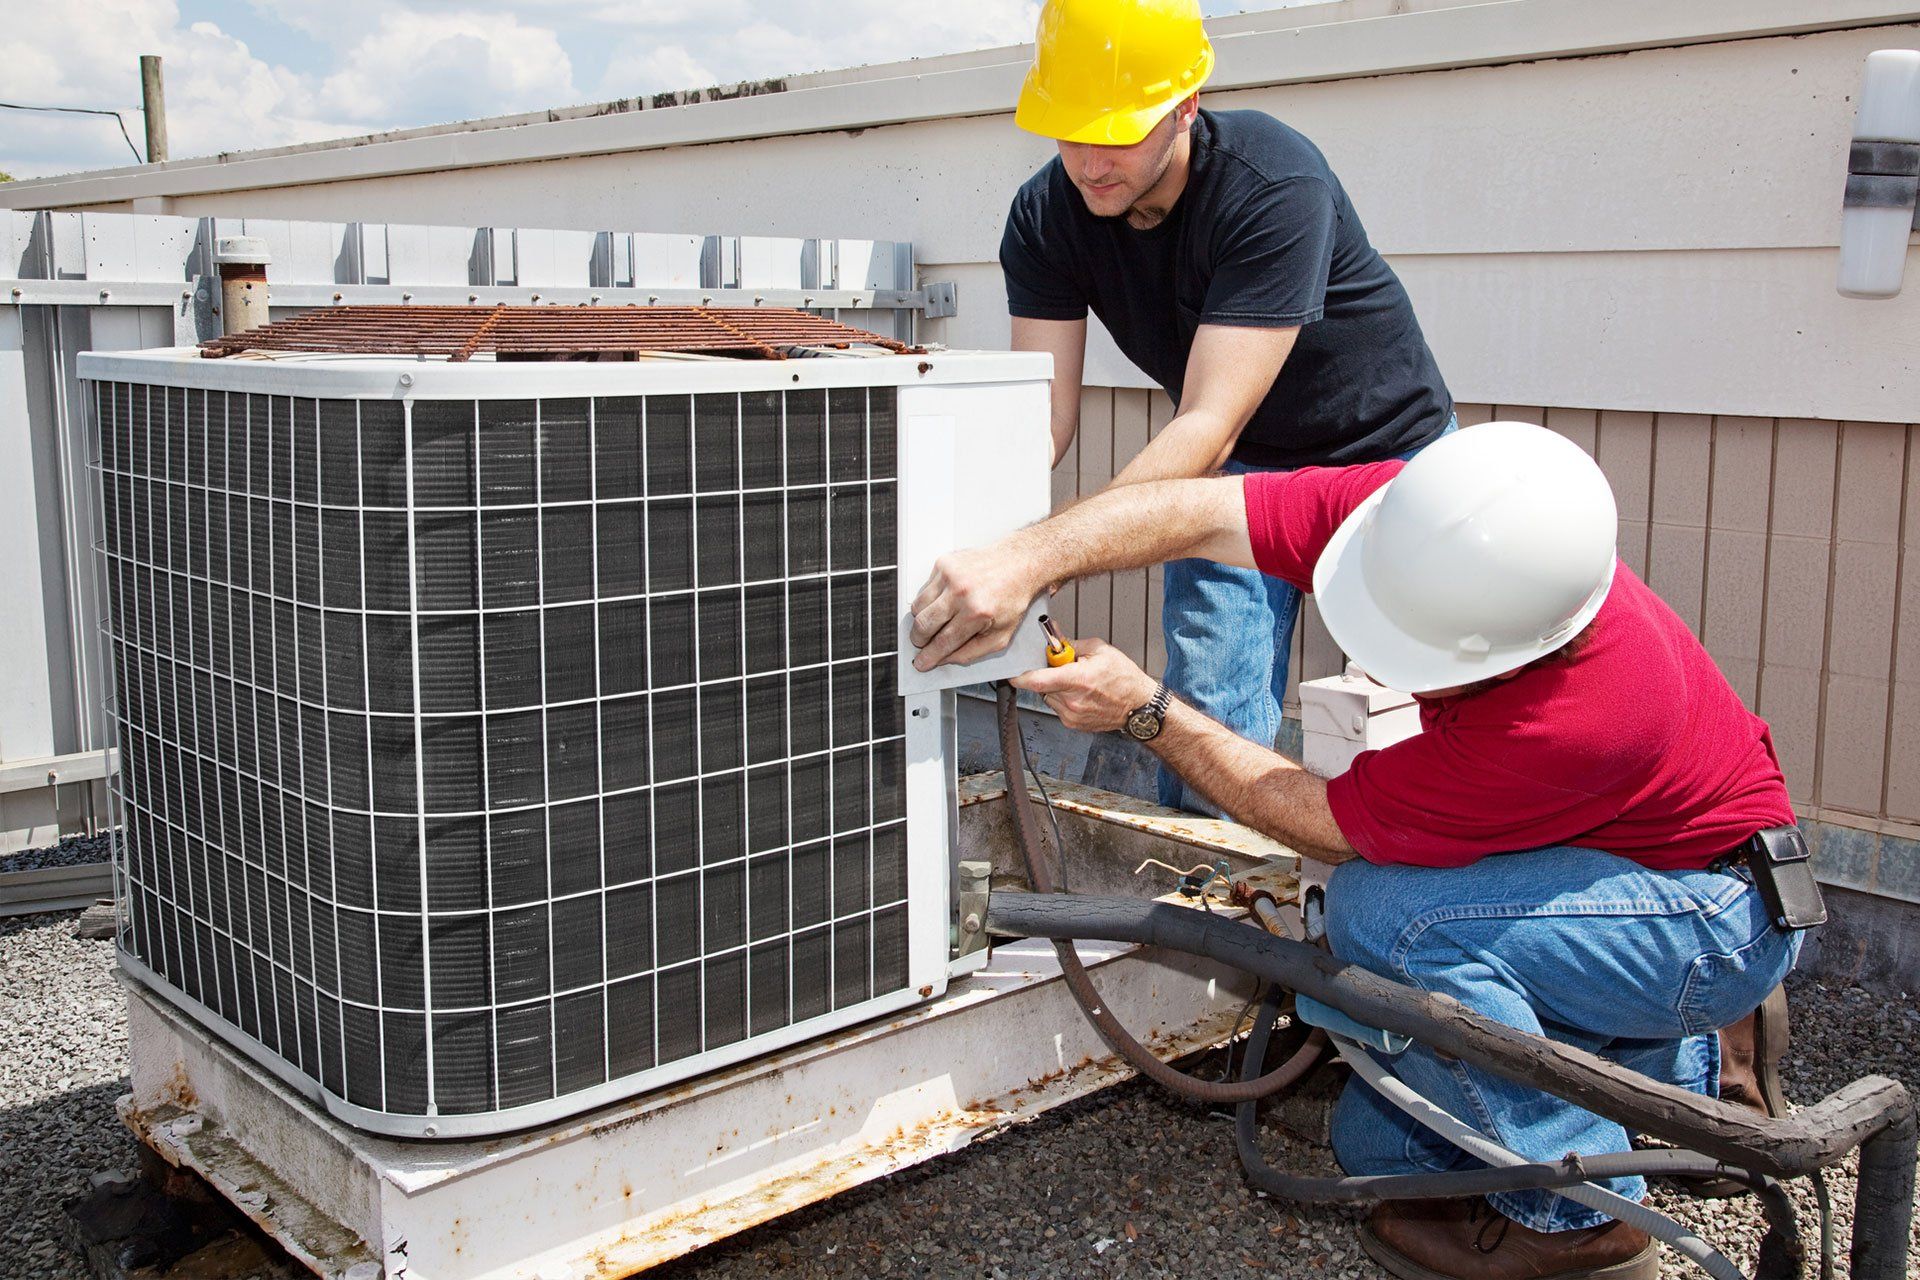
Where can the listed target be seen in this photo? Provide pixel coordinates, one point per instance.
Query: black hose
(1874, 1113)
(1116, 1036)
(1782, 1253)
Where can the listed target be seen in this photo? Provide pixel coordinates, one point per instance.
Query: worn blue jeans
(1593, 950)
(1228, 634)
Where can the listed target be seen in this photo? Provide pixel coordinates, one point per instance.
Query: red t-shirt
(1638, 745)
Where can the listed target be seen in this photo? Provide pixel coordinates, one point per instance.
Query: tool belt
(1780, 865)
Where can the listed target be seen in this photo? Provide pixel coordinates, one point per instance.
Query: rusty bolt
(926, 366)
(926, 991)
(473, 297)
(653, 297)
(104, 295)
(337, 297)
(536, 297)
(406, 297)
(593, 297)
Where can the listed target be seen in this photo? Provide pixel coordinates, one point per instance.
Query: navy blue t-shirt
(1263, 235)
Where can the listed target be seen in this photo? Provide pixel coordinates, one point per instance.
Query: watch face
(1143, 724)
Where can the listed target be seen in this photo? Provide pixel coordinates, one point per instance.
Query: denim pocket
(1722, 987)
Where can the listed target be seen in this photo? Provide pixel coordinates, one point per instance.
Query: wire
(1053, 818)
(85, 111)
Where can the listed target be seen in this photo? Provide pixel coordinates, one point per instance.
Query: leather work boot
(1469, 1240)
(1750, 1054)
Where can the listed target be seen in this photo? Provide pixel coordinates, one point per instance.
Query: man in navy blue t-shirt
(1222, 254)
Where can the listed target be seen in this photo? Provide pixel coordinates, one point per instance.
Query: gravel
(1128, 1183)
(63, 1062)
(74, 851)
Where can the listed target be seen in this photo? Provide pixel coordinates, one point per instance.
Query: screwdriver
(1059, 652)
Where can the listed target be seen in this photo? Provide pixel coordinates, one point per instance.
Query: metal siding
(1130, 434)
(1735, 571)
(1677, 515)
(1903, 748)
(1794, 638)
(1866, 528)
(1096, 470)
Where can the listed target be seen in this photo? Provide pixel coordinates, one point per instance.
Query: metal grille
(552, 333)
(478, 753)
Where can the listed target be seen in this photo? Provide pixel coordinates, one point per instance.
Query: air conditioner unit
(500, 739)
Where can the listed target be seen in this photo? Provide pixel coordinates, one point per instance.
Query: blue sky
(259, 73)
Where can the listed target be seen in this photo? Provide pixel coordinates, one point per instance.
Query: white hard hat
(1493, 547)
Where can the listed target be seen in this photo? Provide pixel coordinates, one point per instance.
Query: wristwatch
(1145, 721)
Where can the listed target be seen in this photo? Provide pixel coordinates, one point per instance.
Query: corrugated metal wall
(1782, 542)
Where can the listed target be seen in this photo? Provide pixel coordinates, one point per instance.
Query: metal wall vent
(487, 758)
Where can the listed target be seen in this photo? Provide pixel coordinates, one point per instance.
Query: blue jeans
(1639, 966)
(1228, 634)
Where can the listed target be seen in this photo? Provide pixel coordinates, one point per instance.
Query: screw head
(406, 379)
(972, 923)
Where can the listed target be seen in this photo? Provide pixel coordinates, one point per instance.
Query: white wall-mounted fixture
(1883, 177)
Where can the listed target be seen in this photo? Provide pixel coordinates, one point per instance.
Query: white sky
(258, 73)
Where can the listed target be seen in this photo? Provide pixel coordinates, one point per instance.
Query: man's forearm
(1193, 444)
(1259, 787)
(1136, 526)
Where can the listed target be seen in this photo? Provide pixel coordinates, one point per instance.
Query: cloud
(429, 68)
(370, 65)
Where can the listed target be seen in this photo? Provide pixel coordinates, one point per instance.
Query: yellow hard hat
(1108, 71)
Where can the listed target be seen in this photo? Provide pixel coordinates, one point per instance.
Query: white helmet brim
(1384, 650)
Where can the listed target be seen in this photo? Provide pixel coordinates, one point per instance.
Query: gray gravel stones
(1129, 1183)
(74, 851)
(63, 1055)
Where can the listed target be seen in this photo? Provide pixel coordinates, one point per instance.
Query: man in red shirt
(1571, 724)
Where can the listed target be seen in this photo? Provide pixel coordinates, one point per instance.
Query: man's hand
(1096, 693)
(971, 603)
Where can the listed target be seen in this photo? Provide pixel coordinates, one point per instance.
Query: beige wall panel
(1064, 608)
(1736, 566)
(1520, 413)
(1130, 434)
(1472, 415)
(1903, 743)
(1860, 629)
(1159, 413)
(1096, 471)
(1578, 425)
(1799, 555)
(1677, 530)
(1625, 454)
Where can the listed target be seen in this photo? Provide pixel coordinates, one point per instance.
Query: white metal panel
(16, 232)
(109, 247)
(768, 262)
(161, 246)
(973, 468)
(26, 711)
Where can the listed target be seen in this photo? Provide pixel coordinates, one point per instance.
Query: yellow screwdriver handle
(1059, 650)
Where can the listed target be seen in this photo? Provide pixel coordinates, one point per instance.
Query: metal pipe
(153, 101)
(1873, 1111)
(244, 299)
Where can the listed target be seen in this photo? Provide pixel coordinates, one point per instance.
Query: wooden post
(154, 100)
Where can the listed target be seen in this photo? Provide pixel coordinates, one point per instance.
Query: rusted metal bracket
(970, 916)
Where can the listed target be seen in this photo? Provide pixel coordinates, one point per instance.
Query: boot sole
(1644, 1265)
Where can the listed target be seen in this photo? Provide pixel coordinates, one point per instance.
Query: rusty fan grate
(552, 333)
